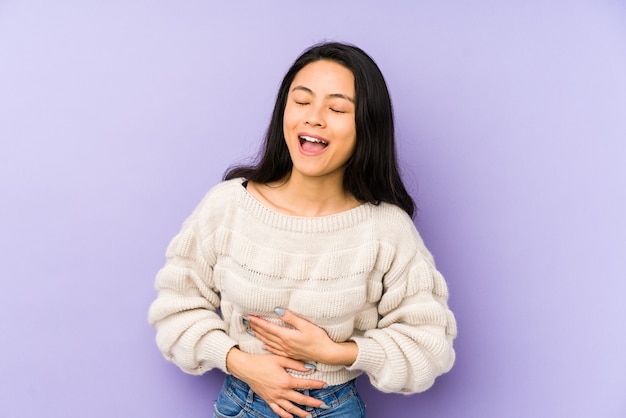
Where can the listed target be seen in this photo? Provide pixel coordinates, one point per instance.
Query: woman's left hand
(305, 341)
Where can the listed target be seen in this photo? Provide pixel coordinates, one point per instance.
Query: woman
(311, 257)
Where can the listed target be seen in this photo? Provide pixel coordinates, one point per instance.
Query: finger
(267, 329)
(305, 400)
(285, 408)
(271, 346)
(279, 411)
(276, 347)
(294, 410)
(265, 335)
(284, 354)
(308, 384)
(289, 363)
(274, 350)
(290, 318)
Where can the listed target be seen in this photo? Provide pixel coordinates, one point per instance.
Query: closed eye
(337, 111)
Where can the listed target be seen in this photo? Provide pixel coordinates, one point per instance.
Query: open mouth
(304, 138)
(309, 143)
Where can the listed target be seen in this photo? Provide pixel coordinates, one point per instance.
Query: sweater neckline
(307, 224)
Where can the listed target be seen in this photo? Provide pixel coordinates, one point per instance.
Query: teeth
(309, 139)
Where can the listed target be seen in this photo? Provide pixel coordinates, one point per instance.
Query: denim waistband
(237, 399)
(314, 393)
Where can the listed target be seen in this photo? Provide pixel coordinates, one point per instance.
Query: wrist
(341, 354)
(235, 360)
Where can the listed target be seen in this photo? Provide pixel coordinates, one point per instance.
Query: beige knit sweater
(362, 275)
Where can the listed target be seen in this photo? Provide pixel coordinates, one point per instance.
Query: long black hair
(371, 173)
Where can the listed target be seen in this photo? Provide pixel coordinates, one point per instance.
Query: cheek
(289, 117)
(289, 128)
(348, 130)
(352, 139)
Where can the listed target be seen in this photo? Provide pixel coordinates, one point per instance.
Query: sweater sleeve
(412, 343)
(190, 332)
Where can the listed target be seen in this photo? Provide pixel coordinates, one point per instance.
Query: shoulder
(218, 201)
(223, 194)
(226, 188)
(392, 218)
(396, 228)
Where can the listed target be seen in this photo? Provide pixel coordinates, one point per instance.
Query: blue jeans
(237, 400)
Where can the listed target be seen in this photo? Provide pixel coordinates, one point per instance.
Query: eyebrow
(337, 95)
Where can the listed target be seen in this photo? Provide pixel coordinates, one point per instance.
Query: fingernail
(245, 320)
(279, 311)
(249, 331)
(325, 386)
(309, 416)
(310, 366)
(324, 406)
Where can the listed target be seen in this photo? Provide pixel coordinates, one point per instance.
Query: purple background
(117, 116)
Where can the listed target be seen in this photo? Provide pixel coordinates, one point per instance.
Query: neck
(300, 195)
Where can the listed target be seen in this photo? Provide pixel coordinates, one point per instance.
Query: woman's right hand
(267, 377)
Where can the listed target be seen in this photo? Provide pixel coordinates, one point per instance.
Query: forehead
(325, 76)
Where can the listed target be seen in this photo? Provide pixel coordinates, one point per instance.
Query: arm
(412, 343)
(410, 346)
(191, 333)
(266, 376)
(303, 341)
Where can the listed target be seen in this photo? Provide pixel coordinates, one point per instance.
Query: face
(319, 120)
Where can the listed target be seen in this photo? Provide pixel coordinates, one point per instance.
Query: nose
(314, 117)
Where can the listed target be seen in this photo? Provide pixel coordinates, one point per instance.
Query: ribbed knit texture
(362, 275)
